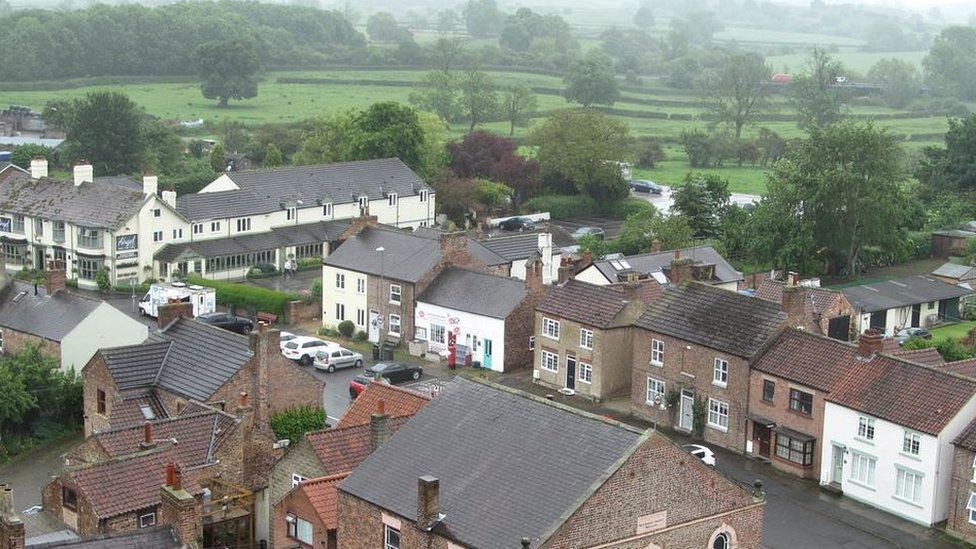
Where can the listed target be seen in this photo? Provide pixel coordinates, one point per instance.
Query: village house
(914, 301)
(582, 337)
(522, 249)
(707, 266)
(492, 316)
(692, 352)
(829, 312)
(962, 491)
(420, 489)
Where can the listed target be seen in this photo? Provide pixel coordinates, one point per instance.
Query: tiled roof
(809, 359)
(397, 401)
(406, 257)
(967, 438)
(509, 465)
(156, 537)
(514, 247)
(719, 319)
(322, 494)
(822, 298)
(278, 237)
(927, 357)
(474, 292)
(89, 204)
(136, 365)
(656, 262)
(902, 292)
(128, 410)
(194, 438)
(589, 304)
(49, 317)
(965, 367)
(342, 449)
(646, 290)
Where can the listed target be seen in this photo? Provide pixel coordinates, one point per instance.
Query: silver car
(337, 357)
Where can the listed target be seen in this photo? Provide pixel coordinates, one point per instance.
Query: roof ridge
(138, 454)
(165, 420)
(325, 479)
(263, 170)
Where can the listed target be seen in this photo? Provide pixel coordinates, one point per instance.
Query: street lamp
(382, 298)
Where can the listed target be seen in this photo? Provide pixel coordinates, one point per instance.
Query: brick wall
(840, 307)
(299, 311)
(693, 369)
(519, 326)
(297, 503)
(300, 459)
(959, 490)
(779, 411)
(361, 526)
(95, 376)
(89, 451)
(15, 342)
(83, 521)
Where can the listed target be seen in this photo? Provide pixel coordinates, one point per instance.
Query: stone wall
(15, 342)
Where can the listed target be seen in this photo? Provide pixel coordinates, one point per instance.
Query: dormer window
(291, 213)
(391, 199)
(327, 209)
(363, 202)
(423, 195)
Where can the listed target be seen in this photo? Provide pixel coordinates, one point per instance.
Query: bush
(649, 153)
(250, 298)
(361, 336)
(327, 332)
(102, 280)
(346, 328)
(562, 206)
(627, 207)
(293, 423)
(316, 288)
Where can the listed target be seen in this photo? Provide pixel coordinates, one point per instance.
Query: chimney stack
(428, 502)
(147, 436)
(870, 343)
(56, 278)
(794, 302)
(83, 172)
(150, 183)
(12, 529)
(379, 427)
(534, 281)
(681, 269)
(168, 312)
(169, 197)
(454, 248)
(38, 167)
(179, 509)
(587, 259)
(265, 344)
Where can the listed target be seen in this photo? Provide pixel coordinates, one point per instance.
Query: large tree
(835, 194)
(735, 93)
(953, 167)
(814, 94)
(483, 18)
(899, 79)
(525, 27)
(478, 99)
(103, 128)
(518, 105)
(439, 92)
(383, 27)
(591, 81)
(951, 63)
(482, 154)
(229, 69)
(579, 151)
(702, 199)
(389, 130)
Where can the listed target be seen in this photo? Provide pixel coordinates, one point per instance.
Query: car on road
(645, 186)
(228, 322)
(285, 337)
(303, 349)
(912, 333)
(337, 357)
(703, 453)
(517, 224)
(358, 385)
(588, 231)
(395, 371)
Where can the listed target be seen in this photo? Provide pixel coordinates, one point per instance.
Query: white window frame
(908, 485)
(655, 387)
(550, 328)
(361, 317)
(549, 361)
(720, 372)
(971, 507)
(291, 213)
(327, 209)
(532, 348)
(657, 352)
(398, 292)
(243, 224)
(177, 234)
(438, 330)
(717, 410)
(157, 236)
(387, 544)
(912, 441)
(297, 479)
(395, 323)
(865, 428)
(215, 226)
(144, 523)
(198, 228)
(340, 281)
(360, 285)
(585, 373)
(340, 311)
(423, 195)
(866, 464)
(420, 334)
(586, 339)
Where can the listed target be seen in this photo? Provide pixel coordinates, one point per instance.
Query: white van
(204, 299)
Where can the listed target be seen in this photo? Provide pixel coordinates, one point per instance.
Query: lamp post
(382, 297)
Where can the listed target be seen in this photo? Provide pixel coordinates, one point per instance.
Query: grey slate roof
(406, 257)
(89, 205)
(509, 465)
(473, 292)
(136, 365)
(656, 262)
(123, 181)
(476, 248)
(278, 237)
(955, 270)
(598, 306)
(514, 247)
(901, 292)
(156, 537)
(49, 317)
(264, 191)
(719, 319)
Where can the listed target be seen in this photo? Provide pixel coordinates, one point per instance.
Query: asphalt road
(663, 201)
(28, 473)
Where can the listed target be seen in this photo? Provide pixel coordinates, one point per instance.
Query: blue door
(486, 358)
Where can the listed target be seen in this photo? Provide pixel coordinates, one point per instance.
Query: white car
(701, 452)
(302, 349)
(285, 338)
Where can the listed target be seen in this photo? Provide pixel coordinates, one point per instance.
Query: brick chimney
(356, 226)
(12, 531)
(38, 167)
(150, 183)
(565, 273)
(680, 268)
(655, 246)
(870, 343)
(179, 509)
(794, 302)
(380, 428)
(169, 197)
(428, 502)
(586, 259)
(168, 312)
(454, 248)
(534, 281)
(264, 343)
(83, 172)
(56, 277)
(147, 437)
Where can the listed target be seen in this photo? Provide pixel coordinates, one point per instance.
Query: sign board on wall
(126, 242)
(5, 224)
(652, 522)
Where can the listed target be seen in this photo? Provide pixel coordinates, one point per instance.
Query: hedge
(562, 206)
(626, 207)
(293, 423)
(251, 298)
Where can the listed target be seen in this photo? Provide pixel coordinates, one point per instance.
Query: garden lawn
(954, 331)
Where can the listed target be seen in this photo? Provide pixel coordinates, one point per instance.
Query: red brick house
(425, 488)
(693, 348)
(962, 490)
(829, 312)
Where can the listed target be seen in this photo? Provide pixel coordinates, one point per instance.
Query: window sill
(862, 485)
(912, 457)
(550, 371)
(908, 502)
(720, 385)
(718, 428)
(586, 348)
(800, 414)
(547, 336)
(657, 363)
(865, 440)
(586, 382)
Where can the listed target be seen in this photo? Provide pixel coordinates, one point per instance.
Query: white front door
(837, 465)
(686, 417)
(374, 326)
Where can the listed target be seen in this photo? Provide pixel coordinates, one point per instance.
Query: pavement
(301, 280)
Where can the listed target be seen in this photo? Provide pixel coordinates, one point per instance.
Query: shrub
(250, 298)
(649, 153)
(346, 328)
(102, 280)
(361, 336)
(328, 332)
(627, 207)
(293, 423)
(562, 206)
(316, 288)
(953, 349)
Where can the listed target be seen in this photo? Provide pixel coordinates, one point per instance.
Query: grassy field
(734, 34)
(954, 331)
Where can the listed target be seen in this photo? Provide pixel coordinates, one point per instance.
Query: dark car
(228, 322)
(358, 385)
(645, 186)
(588, 231)
(517, 224)
(395, 371)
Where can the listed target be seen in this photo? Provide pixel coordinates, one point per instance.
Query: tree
(162, 149)
(23, 154)
(482, 18)
(579, 151)
(952, 168)
(103, 128)
(814, 94)
(272, 158)
(387, 130)
(702, 199)
(900, 80)
(951, 63)
(644, 17)
(734, 94)
(439, 93)
(218, 158)
(456, 197)
(383, 27)
(16, 401)
(233, 134)
(484, 155)
(328, 139)
(478, 98)
(447, 20)
(649, 153)
(229, 69)
(493, 195)
(445, 51)
(518, 104)
(591, 81)
(640, 229)
(525, 27)
(634, 49)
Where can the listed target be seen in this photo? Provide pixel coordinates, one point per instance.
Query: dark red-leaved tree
(489, 156)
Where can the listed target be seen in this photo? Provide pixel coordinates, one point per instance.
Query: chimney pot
(168, 312)
(177, 483)
(243, 398)
(870, 343)
(147, 433)
(170, 473)
(381, 407)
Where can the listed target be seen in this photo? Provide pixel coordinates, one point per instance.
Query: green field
(752, 36)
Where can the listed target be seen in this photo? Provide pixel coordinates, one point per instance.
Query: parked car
(645, 186)
(395, 371)
(337, 357)
(517, 224)
(587, 231)
(358, 385)
(228, 322)
(303, 349)
(701, 452)
(912, 333)
(285, 338)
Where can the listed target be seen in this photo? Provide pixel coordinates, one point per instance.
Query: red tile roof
(821, 298)
(397, 401)
(962, 367)
(128, 411)
(927, 357)
(809, 359)
(196, 436)
(324, 497)
(342, 449)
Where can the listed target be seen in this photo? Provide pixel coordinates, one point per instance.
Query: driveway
(27, 474)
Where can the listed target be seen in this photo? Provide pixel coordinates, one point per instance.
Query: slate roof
(902, 292)
(324, 497)
(194, 437)
(598, 306)
(955, 270)
(89, 205)
(123, 181)
(515, 247)
(342, 449)
(656, 262)
(473, 292)
(719, 319)
(509, 465)
(406, 257)
(136, 365)
(397, 401)
(264, 191)
(156, 537)
(49, 317)
(278, 237)
(811, 360)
